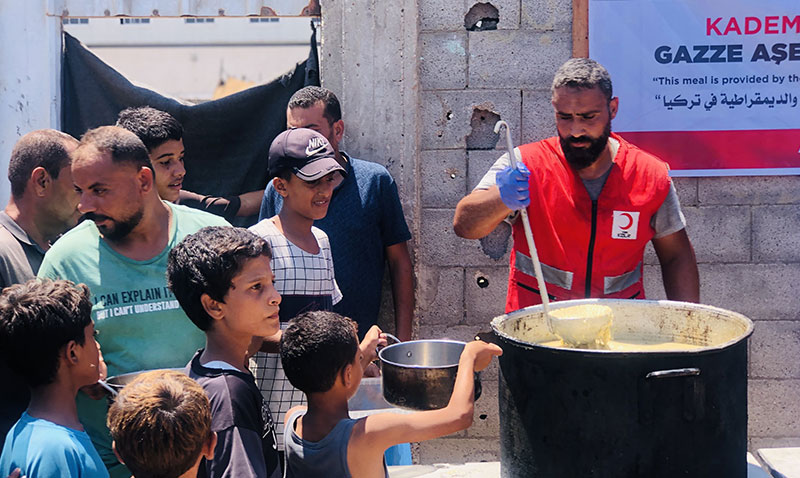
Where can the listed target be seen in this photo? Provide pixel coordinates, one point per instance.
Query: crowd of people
(274, 326)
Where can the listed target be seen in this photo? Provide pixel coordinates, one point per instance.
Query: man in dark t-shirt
(42, 206)
(365, 221)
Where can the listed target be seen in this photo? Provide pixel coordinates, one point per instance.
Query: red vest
(587, 248)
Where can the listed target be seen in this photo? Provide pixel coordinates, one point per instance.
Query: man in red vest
(594, 201)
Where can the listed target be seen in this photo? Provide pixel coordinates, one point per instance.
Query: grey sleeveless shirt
(325, 458)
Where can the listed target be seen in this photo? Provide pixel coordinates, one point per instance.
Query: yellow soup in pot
(633, 345)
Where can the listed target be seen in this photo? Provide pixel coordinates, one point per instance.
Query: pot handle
(676, 372)
(379, 347)
(489, 337)
(693, 394)
(390, 336)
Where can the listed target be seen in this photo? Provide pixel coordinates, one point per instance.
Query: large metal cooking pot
(568, 413)
(420, 374)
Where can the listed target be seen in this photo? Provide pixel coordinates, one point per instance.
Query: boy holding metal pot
(322, 357)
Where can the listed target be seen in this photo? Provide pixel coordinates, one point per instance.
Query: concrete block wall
(745, 234)
(507, 72)
(410, 91)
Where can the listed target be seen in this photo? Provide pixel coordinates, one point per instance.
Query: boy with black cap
(305, 171)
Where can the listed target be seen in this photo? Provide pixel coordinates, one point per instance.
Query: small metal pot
(420, 374)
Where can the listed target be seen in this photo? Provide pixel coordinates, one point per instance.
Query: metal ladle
(576, 331)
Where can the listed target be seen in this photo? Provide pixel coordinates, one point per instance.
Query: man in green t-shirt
(120, 252)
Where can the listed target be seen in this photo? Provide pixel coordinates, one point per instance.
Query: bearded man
(594, 201)
(120, 252)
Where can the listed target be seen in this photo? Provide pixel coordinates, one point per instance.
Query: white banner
(719, 75)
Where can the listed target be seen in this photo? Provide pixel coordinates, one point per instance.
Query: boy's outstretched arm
(271, 344)
(382, 430)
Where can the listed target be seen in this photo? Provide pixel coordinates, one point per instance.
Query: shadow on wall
(482, 136)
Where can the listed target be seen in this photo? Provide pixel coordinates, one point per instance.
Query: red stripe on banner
(721, 149)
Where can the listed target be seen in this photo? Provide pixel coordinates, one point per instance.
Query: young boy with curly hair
(161, 425)
(222, 279)
(47, 338)
(321, 356)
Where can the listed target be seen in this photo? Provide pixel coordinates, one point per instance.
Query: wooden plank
(580, 28)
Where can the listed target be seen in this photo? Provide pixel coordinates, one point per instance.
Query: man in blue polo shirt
(365, 221)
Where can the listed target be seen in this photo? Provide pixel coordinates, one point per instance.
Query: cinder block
(439, 245)
(446, 115)
(529, 58)
(774, 350)
(537, 115)
(486, 423)
(440, 296)
(757, 443)
(773, 408)
(650, 257)
(443, 177)
(719, 233)
(478, 163)
(509, 11)
(775, 237)
(654, 286)
(460, 450)
(687, 190)
(547, 15)
(443, 60)
(435, 15)
(749, 190)
(759, 291)
(485, 303)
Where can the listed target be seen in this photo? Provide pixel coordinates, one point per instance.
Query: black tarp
(226, 140)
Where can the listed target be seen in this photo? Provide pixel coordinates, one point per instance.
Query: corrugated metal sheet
(177, 8)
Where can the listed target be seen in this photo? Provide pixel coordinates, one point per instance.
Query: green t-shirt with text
(139, 322)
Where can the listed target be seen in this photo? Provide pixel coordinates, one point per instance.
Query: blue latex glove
(513, 186)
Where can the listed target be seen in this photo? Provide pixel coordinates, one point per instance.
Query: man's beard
(580, 158)
(119, 229)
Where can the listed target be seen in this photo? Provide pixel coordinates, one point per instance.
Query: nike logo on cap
(315, 145)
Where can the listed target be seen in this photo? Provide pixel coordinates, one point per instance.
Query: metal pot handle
(693, 394)
(676, 372)
(488, 336)
(390, 336)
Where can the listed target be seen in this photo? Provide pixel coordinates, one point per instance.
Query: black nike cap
(306, 152)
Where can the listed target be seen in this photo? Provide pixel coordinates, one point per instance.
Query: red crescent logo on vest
(625, 225)
(630, 221)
